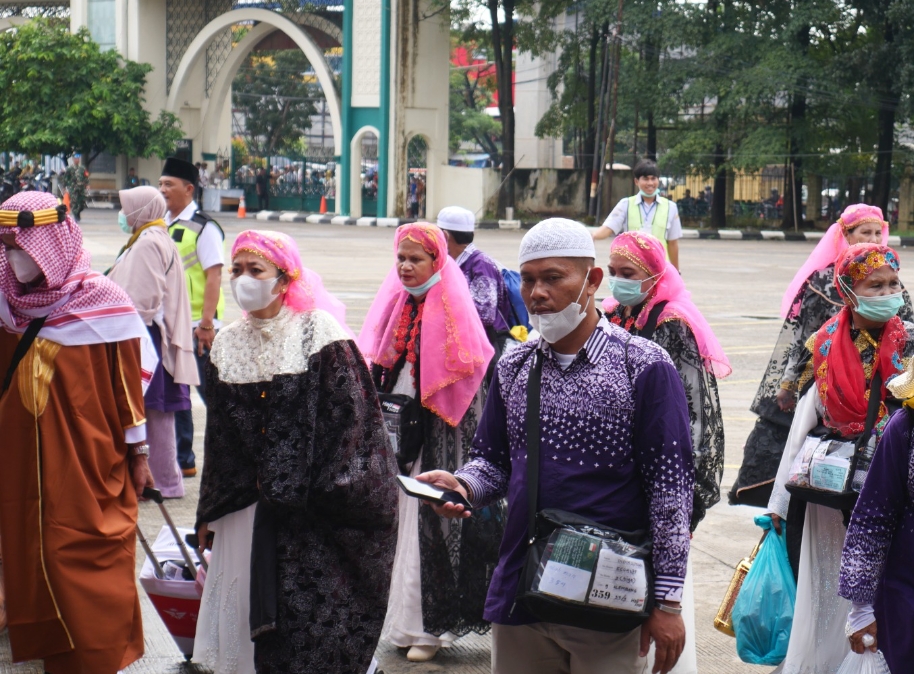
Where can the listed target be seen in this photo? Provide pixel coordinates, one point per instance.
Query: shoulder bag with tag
(404, 418)
(830, 471)
(579, 572)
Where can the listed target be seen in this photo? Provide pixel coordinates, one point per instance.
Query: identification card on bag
(619, 582)
(569, 566)
(829, 473)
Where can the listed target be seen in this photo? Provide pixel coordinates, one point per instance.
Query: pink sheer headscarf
(830, 248)
(306, 291)
(455, 349)
(648, 254)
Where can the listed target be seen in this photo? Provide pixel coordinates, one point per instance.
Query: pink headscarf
(455, 349)
(647, 253)
(829, 249)
(82, 306)
(306, 291)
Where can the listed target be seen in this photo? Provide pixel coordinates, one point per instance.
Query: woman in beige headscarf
(149, 268)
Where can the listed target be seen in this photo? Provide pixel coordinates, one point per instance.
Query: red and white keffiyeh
(81, 305)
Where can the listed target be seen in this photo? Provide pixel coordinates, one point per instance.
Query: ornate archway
(266, 22)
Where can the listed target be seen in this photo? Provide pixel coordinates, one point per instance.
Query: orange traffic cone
(242, 209)
(323, 204)
(66, 200)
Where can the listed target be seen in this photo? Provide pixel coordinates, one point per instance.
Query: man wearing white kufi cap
(614, 447)
(483, 274)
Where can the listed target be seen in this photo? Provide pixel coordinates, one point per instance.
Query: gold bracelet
(788, 386)
(207, 327)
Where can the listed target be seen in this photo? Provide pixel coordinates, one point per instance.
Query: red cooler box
(176, 601)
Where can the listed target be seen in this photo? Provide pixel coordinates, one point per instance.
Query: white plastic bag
(868, 663)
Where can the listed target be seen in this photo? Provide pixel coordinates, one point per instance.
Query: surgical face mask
(23, 266)
(123, 224)
(425, 287)
(627, 292)
(645, 194)
(554, 327)
(254, 294)
(879, 309)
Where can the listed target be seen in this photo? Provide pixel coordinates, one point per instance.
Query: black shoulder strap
(532, 419)
(872, 409)
(203, 219)
(651, 324)
(22, 348)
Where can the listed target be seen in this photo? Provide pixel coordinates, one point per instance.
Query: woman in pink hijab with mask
(810, 300)
(424, 339)
(298, 479)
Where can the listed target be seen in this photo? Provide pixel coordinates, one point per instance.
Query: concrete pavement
(737, 285)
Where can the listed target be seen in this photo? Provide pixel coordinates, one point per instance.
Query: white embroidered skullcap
(456, 219)
(556, 237)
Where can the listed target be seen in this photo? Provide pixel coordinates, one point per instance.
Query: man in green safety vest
(647, 211)
(200, 241)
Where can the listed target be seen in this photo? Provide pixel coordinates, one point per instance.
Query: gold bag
(722, 620)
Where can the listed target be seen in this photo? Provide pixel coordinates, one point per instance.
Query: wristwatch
(140, 450)
(674, 610)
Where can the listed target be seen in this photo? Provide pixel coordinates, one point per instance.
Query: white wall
(470, 188)
(531, 101)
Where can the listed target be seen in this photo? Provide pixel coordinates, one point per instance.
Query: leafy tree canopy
(62, 94)
(275, 92)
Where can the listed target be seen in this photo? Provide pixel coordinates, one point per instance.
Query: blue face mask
(627, 292)
(879, 309)
(425, 287)
(649, 196)
(123, 224)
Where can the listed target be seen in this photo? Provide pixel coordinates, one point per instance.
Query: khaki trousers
(547, 648)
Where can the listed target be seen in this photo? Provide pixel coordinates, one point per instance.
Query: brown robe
(68, 508)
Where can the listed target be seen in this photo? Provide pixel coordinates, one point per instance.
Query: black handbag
(404, 418)
(596, 570)
(863, 449)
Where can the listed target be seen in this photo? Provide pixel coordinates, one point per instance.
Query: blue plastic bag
(763, 612)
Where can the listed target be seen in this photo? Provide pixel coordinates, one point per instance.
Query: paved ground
(738, 286)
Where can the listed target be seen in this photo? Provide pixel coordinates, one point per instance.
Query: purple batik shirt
(615, 447)
(487, 288)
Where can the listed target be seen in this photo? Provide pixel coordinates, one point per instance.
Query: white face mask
(24, 267)
(553, 327)
(253, 294)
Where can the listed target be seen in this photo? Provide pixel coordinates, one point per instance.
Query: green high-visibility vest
(185, 234)
(658, 226)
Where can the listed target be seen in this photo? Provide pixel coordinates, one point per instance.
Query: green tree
(62, 94)
(275, 93)
(471, 92)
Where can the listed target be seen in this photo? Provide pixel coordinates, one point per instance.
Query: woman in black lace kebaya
(294, 426)
(425, 340)
(650, 300)
(810, 301)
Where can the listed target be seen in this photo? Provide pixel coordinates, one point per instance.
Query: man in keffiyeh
(74, 434)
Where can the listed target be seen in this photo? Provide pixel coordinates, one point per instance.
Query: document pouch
(578, 572)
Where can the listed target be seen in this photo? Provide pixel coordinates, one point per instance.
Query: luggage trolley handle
(156, 496)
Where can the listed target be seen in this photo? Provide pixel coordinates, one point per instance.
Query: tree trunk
(888, 107)
(503, 46)
(882, 180)
(651, 138)
(719, 198)
(792, 215)
(590, 134)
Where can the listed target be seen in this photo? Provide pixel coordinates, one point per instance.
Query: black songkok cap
(178, 168)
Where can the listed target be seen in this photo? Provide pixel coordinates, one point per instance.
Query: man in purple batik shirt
(487, 286)
(615, 448)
